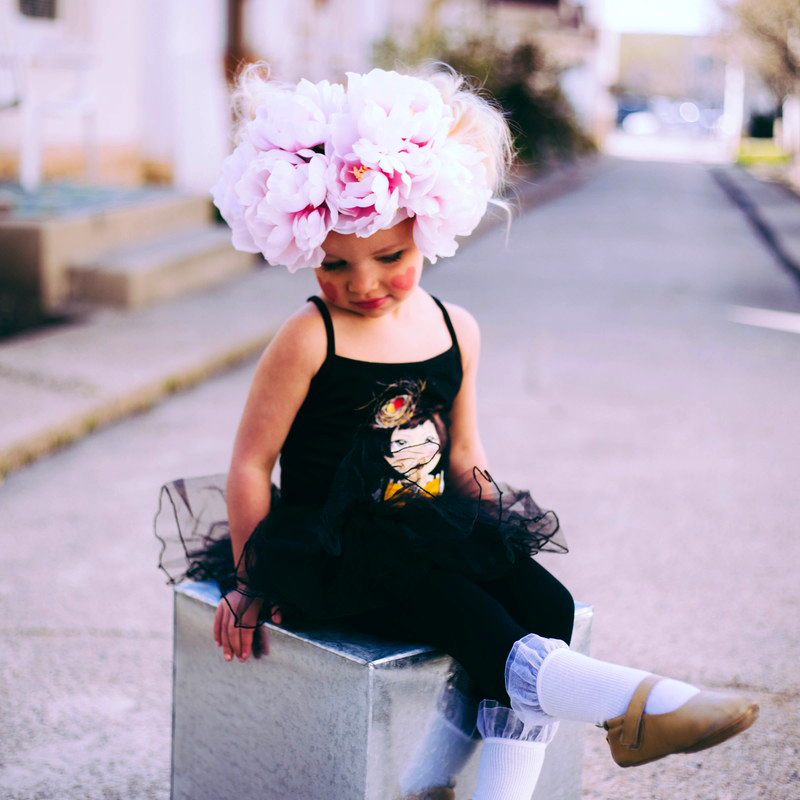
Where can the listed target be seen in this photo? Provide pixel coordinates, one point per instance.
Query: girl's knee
(557, 606)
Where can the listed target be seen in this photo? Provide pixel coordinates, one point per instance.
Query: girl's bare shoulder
(466, 326)
(301, 341)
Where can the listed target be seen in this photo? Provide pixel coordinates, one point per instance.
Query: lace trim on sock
(496, 721)
(522, 673)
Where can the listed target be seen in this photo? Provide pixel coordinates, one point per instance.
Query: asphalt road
(613, 384)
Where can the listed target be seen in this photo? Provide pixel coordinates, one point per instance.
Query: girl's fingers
(237, 640)
(235, 636)
(225, 631)
(227, 649)
(218, 626)
(245, 643)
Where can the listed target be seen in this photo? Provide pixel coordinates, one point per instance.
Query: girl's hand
(237, 639)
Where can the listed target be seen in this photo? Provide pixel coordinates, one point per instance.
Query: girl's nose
(362, 280)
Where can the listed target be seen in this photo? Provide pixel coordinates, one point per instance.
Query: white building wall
(185, 98)
(319, 39)
(114, 41)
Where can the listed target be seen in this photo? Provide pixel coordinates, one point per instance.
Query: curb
(739, 197)
(72, 429)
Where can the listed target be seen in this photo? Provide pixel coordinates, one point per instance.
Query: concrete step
(160, 268)
(38, 249)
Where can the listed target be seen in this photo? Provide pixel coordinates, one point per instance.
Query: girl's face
(370, 276)
(415, 451)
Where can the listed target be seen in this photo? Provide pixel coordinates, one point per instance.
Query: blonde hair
(253, 87)
(479, 121)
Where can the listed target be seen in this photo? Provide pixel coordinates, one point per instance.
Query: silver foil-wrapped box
(329, 714)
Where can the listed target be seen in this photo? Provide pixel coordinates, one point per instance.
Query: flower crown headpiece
(322, 157)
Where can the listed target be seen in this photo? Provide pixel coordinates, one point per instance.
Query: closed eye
(391, 259)
(333, 266)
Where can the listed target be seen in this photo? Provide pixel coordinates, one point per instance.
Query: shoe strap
(632, 723)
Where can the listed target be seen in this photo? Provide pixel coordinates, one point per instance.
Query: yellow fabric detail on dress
(434, 488)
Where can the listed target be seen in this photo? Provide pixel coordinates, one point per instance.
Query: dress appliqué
(412, 437)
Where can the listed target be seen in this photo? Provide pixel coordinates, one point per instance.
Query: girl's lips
(367, 304)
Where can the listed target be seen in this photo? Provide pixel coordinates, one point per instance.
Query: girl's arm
(466, 449)
(279, 387)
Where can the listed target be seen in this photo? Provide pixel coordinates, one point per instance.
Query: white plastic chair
(24, 55)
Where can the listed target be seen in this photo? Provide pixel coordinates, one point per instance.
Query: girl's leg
(466, 620)
(509, 769)
(573, 686)
(448, 743)
(512, 755)
(535, 600)
(569, 685)
(543, 680)
(478, 630)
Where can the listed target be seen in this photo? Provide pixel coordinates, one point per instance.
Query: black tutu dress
(363, 511)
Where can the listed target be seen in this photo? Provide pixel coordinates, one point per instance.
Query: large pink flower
(383, 147)
(297, 120)
(284, 195)
(274, 186)
(278, 205)
(389, 109)
(227, 200)
(455, 203)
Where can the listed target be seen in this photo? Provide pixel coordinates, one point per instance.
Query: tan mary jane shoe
(705, 720)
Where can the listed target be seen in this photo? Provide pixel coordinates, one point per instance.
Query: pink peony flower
(227, 200)
(455, 204)
(390, 107)
(285, 195)
(383, 146)
(277, 204)
(298, 120)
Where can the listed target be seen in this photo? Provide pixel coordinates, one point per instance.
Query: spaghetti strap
(326, 318)
(447, 321)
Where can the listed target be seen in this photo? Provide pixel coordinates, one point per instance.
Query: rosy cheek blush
(329, 290)
(405, 281)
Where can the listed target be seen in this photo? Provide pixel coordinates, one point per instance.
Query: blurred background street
(641, 345)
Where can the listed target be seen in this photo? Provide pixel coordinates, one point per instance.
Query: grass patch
(761, 152)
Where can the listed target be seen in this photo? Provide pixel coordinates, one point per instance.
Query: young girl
(387, 517)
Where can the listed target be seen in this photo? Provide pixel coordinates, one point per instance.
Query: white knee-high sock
(513, 753)
(545, 678)
(574, 686)
(508, 769)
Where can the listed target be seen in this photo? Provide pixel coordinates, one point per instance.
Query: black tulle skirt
(356, 553)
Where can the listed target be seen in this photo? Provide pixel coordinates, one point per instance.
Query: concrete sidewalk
(61, 383)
